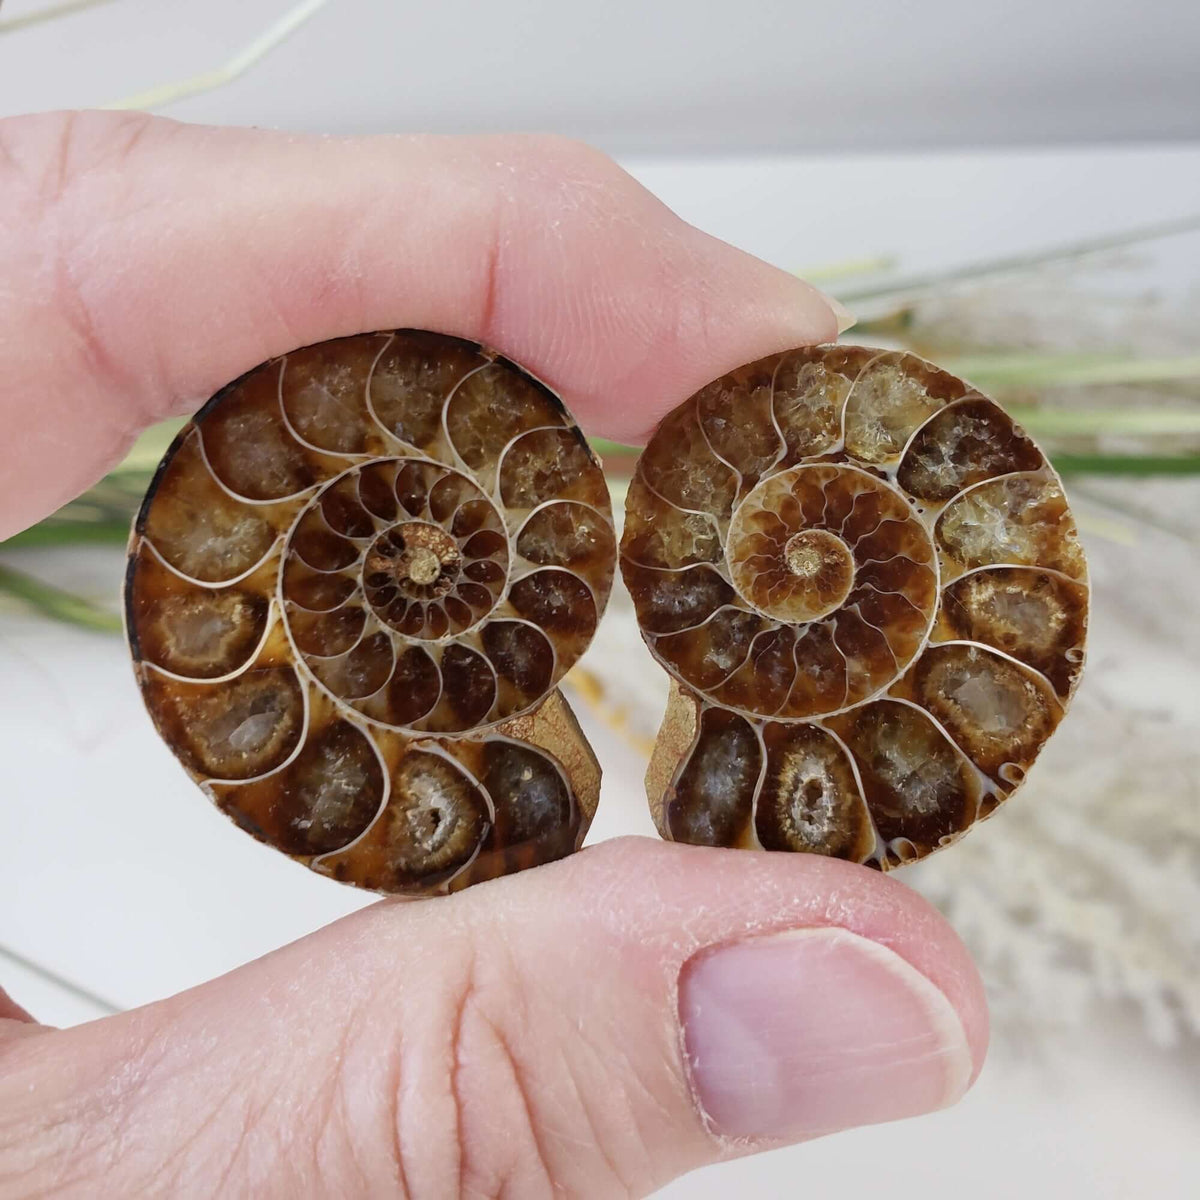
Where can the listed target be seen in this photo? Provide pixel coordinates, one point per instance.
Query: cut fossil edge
(676, 735)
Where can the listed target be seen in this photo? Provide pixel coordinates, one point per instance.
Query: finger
(595, 1027)
(146, 263)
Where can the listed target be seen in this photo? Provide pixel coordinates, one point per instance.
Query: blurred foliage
(1097, 412)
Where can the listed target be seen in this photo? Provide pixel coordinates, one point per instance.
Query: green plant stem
(605, 448)
(1126, 464)
(53, 602)
(150, 446)
(52, 532)
(1060, 370)
(1075, 422)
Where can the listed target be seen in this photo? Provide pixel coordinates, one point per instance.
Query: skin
(520, 1038)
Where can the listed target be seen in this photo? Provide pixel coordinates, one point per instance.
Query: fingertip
(794, 1034)
(813, 994)
(725, 308)
(845, 318)
(722, 897)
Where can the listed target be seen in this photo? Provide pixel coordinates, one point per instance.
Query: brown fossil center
(789, 573)
(422, 565)
(419, 559)
(816, 553)
(818, 573)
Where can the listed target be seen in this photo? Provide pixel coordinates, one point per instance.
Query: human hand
(594, 1027)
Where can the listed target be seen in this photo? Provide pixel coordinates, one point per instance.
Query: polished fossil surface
(356, 581)
(866, 585)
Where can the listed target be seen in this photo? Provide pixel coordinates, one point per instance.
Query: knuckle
(530, 1122)
(29, 144)
(496, 1111)
(586, 160)
(592, 181)
(569, 154)
(46, 155)
(68, 173)
(576, 173)
(499, 1146)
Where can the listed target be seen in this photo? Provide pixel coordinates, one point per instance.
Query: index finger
(144, 263)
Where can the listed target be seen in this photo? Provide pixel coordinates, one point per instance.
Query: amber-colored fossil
(353, 586)
(866, 585)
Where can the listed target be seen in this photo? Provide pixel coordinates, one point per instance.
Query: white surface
(118, 874)
(933, 211)
(632, 75)
(50, 1003)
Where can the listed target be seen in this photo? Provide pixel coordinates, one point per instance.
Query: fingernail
(845, 318)
(795, 1034)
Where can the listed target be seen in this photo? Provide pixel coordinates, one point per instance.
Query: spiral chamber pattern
(356, 580)
(866, 585)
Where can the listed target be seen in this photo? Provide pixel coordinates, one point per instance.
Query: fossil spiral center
(419, 559)
(816, 553)
(781, 558)
(423, 566)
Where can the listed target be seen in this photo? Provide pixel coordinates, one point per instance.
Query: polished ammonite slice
(867, 587)
(354, 584)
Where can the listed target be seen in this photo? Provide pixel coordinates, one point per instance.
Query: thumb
(594, 1027)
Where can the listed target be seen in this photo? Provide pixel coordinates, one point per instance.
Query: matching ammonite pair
(362, 570)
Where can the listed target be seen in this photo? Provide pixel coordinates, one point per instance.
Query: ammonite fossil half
(866, 584)
(354, 584)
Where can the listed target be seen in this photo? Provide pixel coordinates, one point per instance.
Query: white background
(664, 76)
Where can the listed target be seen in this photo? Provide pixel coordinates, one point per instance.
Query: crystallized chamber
(354, 584)
(866, 585)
